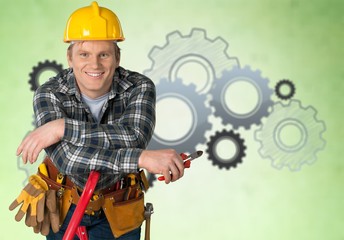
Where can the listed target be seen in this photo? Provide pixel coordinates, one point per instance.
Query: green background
(299, 40)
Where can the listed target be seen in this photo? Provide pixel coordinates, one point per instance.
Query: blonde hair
(117, 50)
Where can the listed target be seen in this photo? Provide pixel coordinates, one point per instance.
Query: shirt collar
(120, 82)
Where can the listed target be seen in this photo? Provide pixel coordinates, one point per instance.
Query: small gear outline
(200, 112)
(196, 47)
(289, 84)
(237, 157)
(236, 75)
(41, 67)
(309, 127)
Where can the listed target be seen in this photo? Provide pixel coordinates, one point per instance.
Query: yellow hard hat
(93, 23)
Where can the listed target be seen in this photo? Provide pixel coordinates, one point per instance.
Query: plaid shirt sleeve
(133, 128)
(108, 148)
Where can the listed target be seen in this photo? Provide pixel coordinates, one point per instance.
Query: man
(98, 116)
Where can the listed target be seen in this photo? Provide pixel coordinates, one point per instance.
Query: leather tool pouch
(124, 208)
(124, 215)
(64, 194)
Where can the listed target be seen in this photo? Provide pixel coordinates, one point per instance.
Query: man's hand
(40, 138)
(165, 162)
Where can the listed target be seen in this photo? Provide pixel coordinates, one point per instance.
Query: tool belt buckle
(60, 192)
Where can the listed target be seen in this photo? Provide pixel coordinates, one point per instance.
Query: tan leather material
(53, 172)
(117, 196)
(124, 208)
(124, 216)
(52, 184)
(64, 199)
(31, 198)
(92, 206)
(144, 180)
(65, 203)
(53, 208)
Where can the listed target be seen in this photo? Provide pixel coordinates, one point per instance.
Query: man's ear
(69, 58)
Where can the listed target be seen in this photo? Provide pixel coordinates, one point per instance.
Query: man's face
(94, 65)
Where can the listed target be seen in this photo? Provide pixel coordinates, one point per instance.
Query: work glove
(51, 215)
(32, 198)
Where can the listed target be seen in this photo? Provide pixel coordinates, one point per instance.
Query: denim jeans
(97, 227)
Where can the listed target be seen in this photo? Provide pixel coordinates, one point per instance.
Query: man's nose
(95, 61)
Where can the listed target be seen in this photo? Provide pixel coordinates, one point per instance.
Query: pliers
(187, 160)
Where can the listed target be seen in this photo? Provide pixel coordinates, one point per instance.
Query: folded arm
(76, 145)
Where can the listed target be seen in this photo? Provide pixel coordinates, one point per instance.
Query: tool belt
(123, 208)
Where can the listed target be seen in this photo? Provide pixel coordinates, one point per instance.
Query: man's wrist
(140, 163)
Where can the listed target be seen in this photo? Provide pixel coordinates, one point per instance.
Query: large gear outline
(237, 157)
(254, 78)
(311, 141)
(289, 84)
(196, 47)
(41, 67)
(196, 102)
(188, 94)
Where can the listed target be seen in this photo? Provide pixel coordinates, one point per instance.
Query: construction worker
(96, 115)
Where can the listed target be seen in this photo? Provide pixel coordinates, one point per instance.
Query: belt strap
(54, 173)
(92, 206)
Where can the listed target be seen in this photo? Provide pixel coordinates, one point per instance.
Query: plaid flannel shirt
(112, 146)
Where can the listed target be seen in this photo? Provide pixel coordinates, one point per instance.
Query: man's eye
(83, 55)
(104, 55)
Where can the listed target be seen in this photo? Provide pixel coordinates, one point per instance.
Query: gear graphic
(216, 158)
(151, 179)
(39, 69)
(260, 110)
(290, 86)
(196, 103)
(194, 48)
(283, 119)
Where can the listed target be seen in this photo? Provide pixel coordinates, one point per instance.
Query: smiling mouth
(95, 75)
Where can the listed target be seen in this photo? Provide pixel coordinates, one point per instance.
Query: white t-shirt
(96, 104)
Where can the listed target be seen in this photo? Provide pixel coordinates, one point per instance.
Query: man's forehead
(93, 44)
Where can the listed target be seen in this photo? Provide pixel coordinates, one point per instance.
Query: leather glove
(54, 210)
(32, 198)
(51, 215)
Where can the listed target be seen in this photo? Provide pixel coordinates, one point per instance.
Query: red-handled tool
(80, 208)
(187, 160)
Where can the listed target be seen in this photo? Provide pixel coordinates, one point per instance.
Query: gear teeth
(288, 83)
(219, 43)
(198, 33)
(154, 52)
(180, 48)
(238, 141)
(196, 102)
(255, 79)
(175, 36)
(311, 141)
(37, 70)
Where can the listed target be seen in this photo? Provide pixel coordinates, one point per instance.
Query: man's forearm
(39, 139)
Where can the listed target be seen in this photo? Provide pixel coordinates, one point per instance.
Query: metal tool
(148, 213)
(187, 160)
